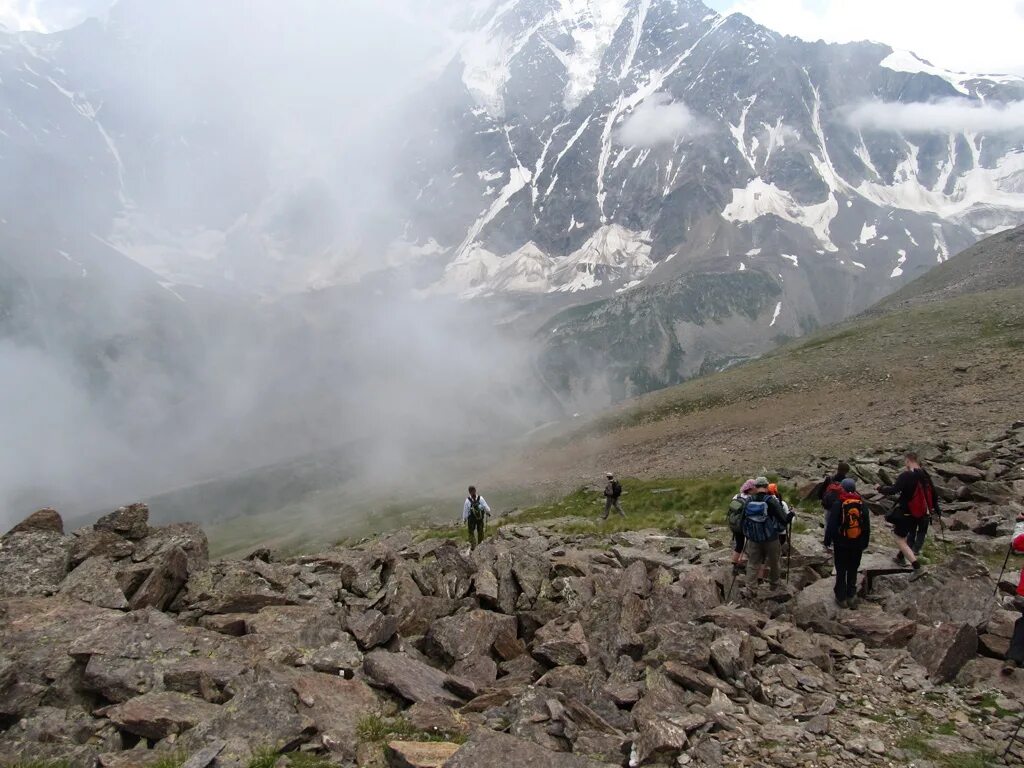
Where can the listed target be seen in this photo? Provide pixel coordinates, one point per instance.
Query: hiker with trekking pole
(785, 539)
(763, 521)
(916, 505)
(1015, 653)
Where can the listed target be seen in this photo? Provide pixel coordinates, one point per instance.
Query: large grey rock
(33, 562)
(131, 521)
(41, 520)
(58, 736)
(944, 650)
(490, 749)
(879, 629)
(372, 628)
(92, 543)
(418, 754)
(158, 715)
(411, 679)
(957, 590)
(558, 643)
(164, 582)
(474, 633)
(95, 581)
(335, 706)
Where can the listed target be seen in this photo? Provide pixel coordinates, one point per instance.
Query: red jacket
(1017, 543)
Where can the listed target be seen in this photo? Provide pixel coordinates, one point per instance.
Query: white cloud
(980, 37)
(950, 115)
(659, 120)
(48, 15)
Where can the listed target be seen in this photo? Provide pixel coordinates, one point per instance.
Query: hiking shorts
(913, 529)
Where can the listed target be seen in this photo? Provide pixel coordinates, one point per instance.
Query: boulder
(163, 583)
(958, 590)
(92, 543)
(158, 715)
(474, 633)
(960, 472)
(33, 562)
(696, 680)
(131, 521)
(944, 650)
(372, 628)
(335, 706)
(413, 680)
(203, 677)
(340, 657)
(262, 713)
(419, 754)
(878, 629)
(55, 736)
(95, 581)
(486, 748)
(560, 644)
(41, 520)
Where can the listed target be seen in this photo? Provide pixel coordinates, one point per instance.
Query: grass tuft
(373, 729)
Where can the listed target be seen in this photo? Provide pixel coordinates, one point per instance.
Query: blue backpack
(759, 525)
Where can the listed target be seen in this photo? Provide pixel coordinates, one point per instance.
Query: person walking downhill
(1015, 652)
(736, 505)
(763, 521)
(847, 534)
(612, 492)
(914, 507)
(474, 513)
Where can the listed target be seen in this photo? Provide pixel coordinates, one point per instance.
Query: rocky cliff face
(124, 646)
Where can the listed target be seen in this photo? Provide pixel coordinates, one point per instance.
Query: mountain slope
(945, 368)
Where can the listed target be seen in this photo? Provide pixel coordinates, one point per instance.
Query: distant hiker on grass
(830, 488)
(612, 492)
(763, 521)
(916, 504)
(736, 505)
(474, 514)
(847, 533)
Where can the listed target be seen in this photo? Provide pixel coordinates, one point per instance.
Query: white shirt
(465, 507)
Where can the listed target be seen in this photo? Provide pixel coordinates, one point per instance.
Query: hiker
(916, 504)
(1015, 653)
(736, 505)
(847, 533)
(474, 513)
(612, 491)
(773, 489)
(763, 521)
(831, 486)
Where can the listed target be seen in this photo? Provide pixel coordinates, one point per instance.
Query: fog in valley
(259, 148)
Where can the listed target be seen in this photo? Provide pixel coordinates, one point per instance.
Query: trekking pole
(1006, 559)
(734, 572)
(789, 548)
(942, 527)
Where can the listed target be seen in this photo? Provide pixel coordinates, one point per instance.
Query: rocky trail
(123, 646)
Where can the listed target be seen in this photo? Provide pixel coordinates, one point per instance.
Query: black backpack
(616, 489)
(476, 509)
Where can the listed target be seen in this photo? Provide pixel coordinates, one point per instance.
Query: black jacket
(834, 521)
(906, 485)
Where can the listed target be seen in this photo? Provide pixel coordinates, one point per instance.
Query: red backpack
(922, 503)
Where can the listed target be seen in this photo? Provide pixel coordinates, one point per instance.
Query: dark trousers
(847, 562)
(610, 503)
(476, 531)
(1016, 650)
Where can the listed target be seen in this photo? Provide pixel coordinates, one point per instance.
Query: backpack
(923, 501)
(833, 489)
(851, 522)
(476, 510)
(735, 514)
(616, 489)
(759, 525)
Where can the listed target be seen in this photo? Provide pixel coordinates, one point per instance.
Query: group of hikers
(760, 519)
(761, 522)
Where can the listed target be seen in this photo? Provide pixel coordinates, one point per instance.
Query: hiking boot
(842, 603)
(916, 565)
(1008, 668)
(899, 559)
(852, 603)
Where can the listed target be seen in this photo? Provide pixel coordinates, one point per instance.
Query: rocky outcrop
(537, 648)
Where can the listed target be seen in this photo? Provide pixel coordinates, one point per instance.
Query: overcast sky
(977, 36)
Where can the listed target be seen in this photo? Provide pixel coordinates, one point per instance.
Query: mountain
(632, 141)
